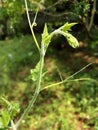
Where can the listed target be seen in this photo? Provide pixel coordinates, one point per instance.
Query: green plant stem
(58, 31)
(60, 74)
(31, 27)
(67, 79)
(34, 97)
(13, 125)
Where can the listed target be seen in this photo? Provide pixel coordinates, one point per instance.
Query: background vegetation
(72, 105)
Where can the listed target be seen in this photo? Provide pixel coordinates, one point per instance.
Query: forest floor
(70, 106)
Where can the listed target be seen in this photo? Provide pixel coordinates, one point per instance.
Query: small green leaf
(67, 26)
(72, 40)
(4, 118)
(45, 32)
(1, 123)
(14, 110)
(35, 72)
(46, 38)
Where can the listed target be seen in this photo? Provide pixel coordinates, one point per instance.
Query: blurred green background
(72, 105)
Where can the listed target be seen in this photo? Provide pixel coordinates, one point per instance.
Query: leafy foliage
(67, 26)
(12, 13)
(64, 31)
(4, 119)
(46, 38)
(11, 16)
(7, 114)
(35, 72)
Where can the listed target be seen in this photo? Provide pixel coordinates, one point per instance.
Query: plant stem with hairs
(41, 63)
(46, 38)
(38, 87)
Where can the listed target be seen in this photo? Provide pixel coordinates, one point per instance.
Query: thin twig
(66, 80)
(92, 16)
(60, 74)
(29, 21)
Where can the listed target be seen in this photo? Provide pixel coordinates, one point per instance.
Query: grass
(16, 54)
(70, 106)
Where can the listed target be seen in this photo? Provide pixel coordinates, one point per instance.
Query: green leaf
(46, 38)
(45, 32)
(63, 30)
(4, 118)
(14, 110)
(67, 26)
(35, 72)
(1, 123)
(72, 40)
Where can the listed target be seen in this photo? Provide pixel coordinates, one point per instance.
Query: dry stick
(56, 3)
(92, 16)
(57, 15)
